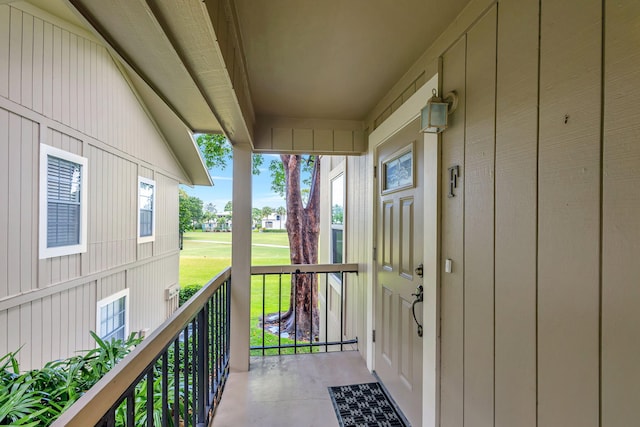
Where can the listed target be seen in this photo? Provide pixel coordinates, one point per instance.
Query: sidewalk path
(228, 243)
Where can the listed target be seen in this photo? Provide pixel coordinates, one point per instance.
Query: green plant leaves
(39, 396)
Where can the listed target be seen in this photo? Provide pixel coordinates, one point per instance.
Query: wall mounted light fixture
(434, 117)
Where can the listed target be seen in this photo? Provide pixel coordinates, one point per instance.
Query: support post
(241, 259)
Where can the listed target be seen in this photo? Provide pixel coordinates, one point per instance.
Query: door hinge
(375, 254)
(375, 171)
(373, 335)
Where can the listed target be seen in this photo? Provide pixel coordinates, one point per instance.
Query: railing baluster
(165, 389)
(200, 367)
(279, 312)
(150, 398)
(341, 311)
(194, 368)
(199, 331)
(295, 311)
(185, 377)
(176, 382)
(311, 308)
(131, 408)
(264, 296)
(310, 272)
(326, 311)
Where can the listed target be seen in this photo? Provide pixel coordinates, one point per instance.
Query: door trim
(404, 115)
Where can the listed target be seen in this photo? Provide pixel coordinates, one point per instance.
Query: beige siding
(110, 285)
(147, 296)
(309, 136)
(113, 229)
(357, 251)
(621, 217)
(515, 214)
(167, 215)
(71, 79)
(60, 87)
(452, 285)
(539, 315)
(358, 174)
(19, 203)
(479, 222)
(569, 214)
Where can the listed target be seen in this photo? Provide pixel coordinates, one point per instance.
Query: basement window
(113, 316)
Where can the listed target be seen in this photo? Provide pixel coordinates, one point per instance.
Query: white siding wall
(61, 87)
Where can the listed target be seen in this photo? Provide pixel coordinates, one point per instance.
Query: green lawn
(206, 254)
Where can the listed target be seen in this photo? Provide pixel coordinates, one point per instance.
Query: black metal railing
(175, 377)
(279, 281)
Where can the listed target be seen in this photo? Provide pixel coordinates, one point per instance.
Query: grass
(206, 254)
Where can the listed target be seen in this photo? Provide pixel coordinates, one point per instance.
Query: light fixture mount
(434, 115)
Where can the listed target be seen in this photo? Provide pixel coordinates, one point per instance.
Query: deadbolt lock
(420, 270)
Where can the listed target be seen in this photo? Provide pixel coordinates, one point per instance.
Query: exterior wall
(59, 86)
(539, 316)
(358, 177)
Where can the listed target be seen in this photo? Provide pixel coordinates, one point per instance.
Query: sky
(221, 191)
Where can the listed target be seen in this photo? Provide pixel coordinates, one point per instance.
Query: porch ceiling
(223, 65)
(334, 59)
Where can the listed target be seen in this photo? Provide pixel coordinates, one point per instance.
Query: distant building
(275, 222)
(222, 222)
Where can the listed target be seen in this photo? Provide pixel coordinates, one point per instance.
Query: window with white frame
(337, 219)
(112, 316)
(146, 209)
(63, 203)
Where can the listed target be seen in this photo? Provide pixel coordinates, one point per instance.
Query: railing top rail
(304, 268)
(89, 409)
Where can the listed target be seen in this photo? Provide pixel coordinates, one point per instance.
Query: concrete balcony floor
(289, 390)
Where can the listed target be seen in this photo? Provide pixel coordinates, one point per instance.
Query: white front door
(398, 346)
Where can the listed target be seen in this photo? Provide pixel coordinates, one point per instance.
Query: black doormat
(365, 405)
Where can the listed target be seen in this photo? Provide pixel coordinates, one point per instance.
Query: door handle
(419, 298)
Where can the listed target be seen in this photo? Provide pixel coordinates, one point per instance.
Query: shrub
(188, 291)
(39, 396)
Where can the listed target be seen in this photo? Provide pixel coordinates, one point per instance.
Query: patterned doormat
(365, 405)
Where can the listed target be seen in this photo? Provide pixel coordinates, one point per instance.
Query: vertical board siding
(167, 215)
(13, 201)
(621, 217)
(515, 210)
(111, 284)
(358, 175)
(74, 81)
(19, 203)
(112, 232)
(479, 223)
(569, 214)
(146, 289)
(5, 28)
(79, 101)
(452, 227)
(4, 333)
(4, 197)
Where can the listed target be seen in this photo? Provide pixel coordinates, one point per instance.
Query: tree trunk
(303, 227)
